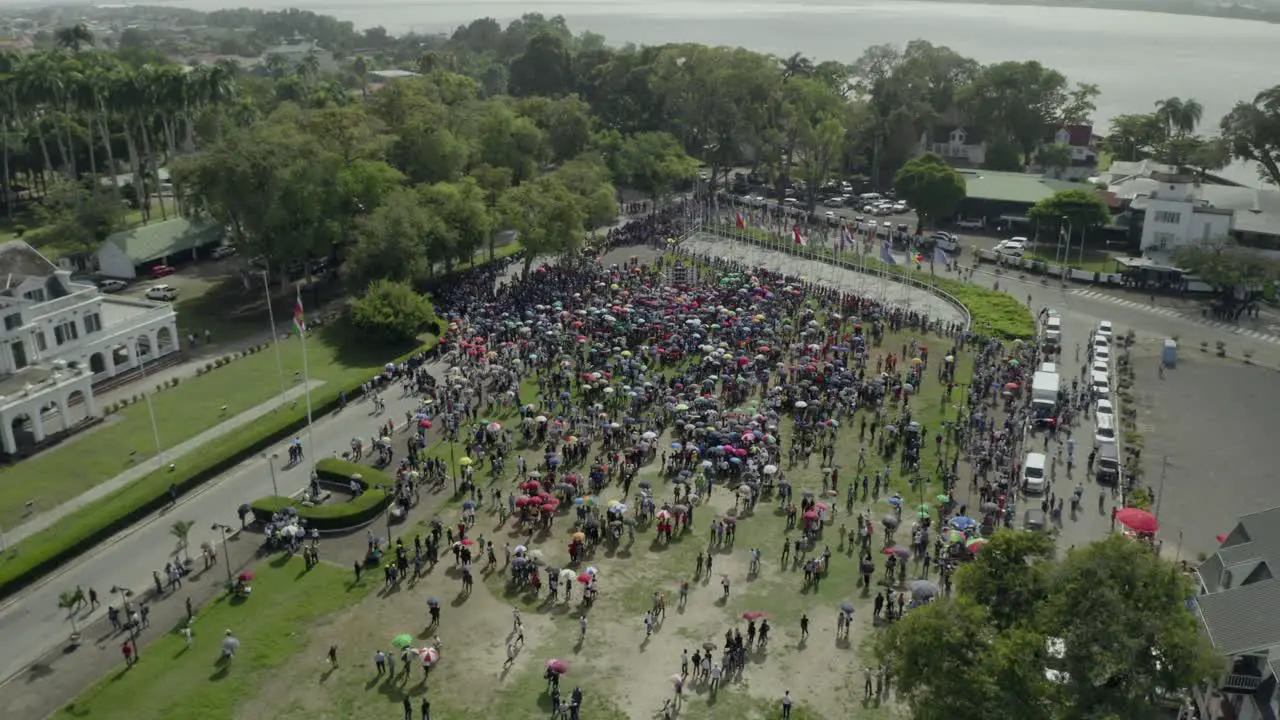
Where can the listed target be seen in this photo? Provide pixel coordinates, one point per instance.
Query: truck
(1044, 396)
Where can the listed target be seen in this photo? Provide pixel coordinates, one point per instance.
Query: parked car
(111, 286)
(160, 271)
(223, 251)
(167, 293)
(967, 224)
(1104, 329)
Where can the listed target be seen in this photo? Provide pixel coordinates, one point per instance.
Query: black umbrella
(433, 602)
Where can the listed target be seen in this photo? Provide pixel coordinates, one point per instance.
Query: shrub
(208, 366)
(392, 311)
(338, 516)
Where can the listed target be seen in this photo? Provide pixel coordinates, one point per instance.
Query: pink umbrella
(559, 667)
(1138, 520)
(550, 507)
(430, 656)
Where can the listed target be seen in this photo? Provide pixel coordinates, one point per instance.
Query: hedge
(993, 312)
(339, 516)
(83, 529)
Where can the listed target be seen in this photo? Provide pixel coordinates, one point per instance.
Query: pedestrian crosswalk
(1174, 312)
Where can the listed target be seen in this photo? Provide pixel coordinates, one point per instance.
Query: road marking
(1183, 314)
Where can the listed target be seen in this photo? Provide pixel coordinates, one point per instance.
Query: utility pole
(1164, 471)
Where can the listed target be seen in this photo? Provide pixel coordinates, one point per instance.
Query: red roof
(1078, 135)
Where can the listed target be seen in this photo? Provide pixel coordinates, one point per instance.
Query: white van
(1053, 330)
(1048, 367)
(1034, 478)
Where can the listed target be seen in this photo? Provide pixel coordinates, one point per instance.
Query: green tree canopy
(1075, 211)
(392, 311)
(930, 186)
(547, 216)
(1102, 632)
(1252, 130)
(1239, 274)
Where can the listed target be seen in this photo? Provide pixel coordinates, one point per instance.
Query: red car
(160, 271)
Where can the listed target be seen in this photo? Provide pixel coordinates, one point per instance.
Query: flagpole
(275, 337)
(300, 320)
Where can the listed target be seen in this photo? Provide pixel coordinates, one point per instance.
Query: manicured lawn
(172, 682)
(183, 412)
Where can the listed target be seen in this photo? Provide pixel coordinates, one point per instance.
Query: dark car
(1033, 520)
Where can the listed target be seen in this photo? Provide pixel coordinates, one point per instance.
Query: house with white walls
(60, 337)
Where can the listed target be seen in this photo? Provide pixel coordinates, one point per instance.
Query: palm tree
(73, 38)
(182, 530)
(276, 64)
(796, 66)
(34, 77)
(309, 66)
(1179, 117)
(71, 600)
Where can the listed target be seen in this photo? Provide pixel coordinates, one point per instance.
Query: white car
(899, 207)
(167, 293)
(1104, 329)
(970, 224)
(1012, 248)
(111, 286)
(1101, 384)
(1034, 479)
(223, 251)
(1102, 354)
(1103, 407)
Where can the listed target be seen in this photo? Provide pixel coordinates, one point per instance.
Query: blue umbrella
(469, 505)
(894, 501)
(963, 522)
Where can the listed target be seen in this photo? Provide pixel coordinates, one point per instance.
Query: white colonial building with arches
(59, 339)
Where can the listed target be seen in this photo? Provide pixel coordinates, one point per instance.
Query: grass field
(183, 412)
(174, 682)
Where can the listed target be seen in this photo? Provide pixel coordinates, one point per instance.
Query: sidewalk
(48, 518)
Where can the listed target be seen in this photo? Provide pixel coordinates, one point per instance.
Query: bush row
(338, 516)
(83, 529)
(993, 312)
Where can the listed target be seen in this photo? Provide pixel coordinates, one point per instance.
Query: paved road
(31, 623)
(864, 283)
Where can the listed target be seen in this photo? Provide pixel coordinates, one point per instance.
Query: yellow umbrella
(464, 461)
(916, 361)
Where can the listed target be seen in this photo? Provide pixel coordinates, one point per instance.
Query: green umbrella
(943, 498)
(923, 507)
(923, 514)
(402, 641)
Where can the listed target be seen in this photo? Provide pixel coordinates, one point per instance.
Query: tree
(73, 38)
(1018, 100)
(543, 68)
(82, 217)
(181, 530)
(1114, 610)
(70, 601)
(930, 186)
(1134, 136)
(493, 181)
(1238, 275)
(1128, 638)
(587, 177)
(505, 139)
(1178, 116)
(1252, 130)
(392, 311)
(1077, 210)
(1056, 157)
(565, 122)
(1008, 577)
(399, 241)
(649, 162)
(547, 217)
(467, 221)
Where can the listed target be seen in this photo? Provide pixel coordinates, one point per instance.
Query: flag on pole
(299, 321)
(795, 233)
(846, 237)
(742, 224)
(885, 256)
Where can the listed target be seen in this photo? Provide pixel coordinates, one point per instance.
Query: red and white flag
(799, 239)
(742, 224)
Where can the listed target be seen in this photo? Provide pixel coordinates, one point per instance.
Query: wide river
(1135, 58)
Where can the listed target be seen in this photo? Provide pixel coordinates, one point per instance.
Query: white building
(1175, 215)
(1240, 594)
(955, 144)
(59, 338)
(1082, 143)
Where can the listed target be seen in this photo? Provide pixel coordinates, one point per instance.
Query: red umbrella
(1138, 520)
(754, 615)
(559, 667)
(549, 507)
(811, 515)
(531, 486)
(468, 541)
(247, 576)
(585, 578)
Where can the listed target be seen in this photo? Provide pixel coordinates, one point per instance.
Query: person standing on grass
(408, 708)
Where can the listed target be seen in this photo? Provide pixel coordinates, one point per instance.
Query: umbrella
(559, 667)
(951, 535)
(976, 544)
(890, 520)
(922, 590)
(433, 602)
(846, 607)
(246, 576)
(402, 641)
(465, 461)
(579, 537)
(963, 522)
(894, 501)
(943, 498)
(902, 552)
(754, 615)
(230, 644)
(1137, 520)
(468, 542)
(430, 656)
(709, 646)
(585, 578)
(566, 576)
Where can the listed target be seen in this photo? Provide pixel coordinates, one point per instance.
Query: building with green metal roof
(993, 195)
(168, 242)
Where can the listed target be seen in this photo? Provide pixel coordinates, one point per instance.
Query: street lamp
(125, 593)
(271, 463)
(453, 467)
(226, 530)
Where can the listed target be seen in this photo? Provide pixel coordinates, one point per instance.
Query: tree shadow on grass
(355, 349)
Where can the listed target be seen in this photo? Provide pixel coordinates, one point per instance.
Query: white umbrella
(770, 469)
